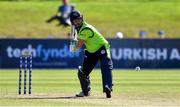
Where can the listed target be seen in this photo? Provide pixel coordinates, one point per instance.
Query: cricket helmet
(75, 15)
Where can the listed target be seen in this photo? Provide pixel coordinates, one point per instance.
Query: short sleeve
(86, 33)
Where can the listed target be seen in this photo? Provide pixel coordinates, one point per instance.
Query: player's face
(77, 22)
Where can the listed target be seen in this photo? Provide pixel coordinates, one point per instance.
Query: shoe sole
(79, 96)
(82, 96)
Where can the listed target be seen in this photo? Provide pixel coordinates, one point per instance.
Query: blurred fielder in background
(63, 14)
(96, 48)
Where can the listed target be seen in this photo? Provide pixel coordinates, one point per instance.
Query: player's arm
(85, 34)
(77, 45)
(59, 11)
(80, 43)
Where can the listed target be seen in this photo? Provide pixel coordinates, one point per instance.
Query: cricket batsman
(96, 48)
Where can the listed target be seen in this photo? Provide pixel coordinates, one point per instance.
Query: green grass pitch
(58, 87)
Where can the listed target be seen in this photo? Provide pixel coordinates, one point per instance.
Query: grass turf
(57, 87)
(27, 18)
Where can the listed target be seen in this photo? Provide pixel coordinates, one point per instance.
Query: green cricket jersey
(93, 39)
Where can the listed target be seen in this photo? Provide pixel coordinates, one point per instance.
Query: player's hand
(73, 44)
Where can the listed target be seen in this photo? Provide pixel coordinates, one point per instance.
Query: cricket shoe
(107, 91)
(81, 94)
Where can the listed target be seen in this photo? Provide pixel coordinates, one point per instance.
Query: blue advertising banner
(125, 53)
(146, 53)
(47, 53)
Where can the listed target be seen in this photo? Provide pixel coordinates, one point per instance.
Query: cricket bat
(74, 40)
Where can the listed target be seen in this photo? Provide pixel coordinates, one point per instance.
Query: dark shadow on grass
(64, 97)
